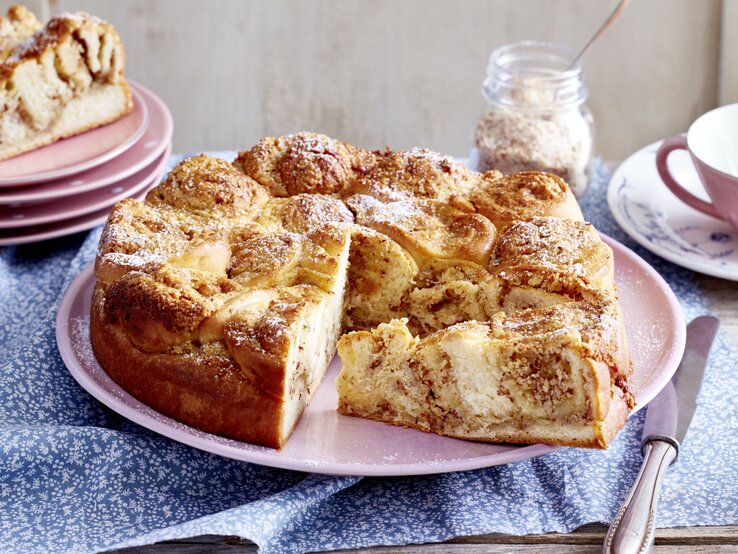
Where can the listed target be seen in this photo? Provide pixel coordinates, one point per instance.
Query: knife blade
(667, 420)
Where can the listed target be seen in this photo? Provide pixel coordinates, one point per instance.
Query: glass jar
(537, 117)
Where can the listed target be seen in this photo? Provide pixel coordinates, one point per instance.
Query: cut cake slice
(64, 79)
(535, 376)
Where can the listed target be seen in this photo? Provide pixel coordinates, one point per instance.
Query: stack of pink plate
(71, 185)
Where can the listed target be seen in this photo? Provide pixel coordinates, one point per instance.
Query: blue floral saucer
(656, 219)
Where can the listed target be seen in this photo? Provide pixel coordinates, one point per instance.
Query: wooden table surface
(722, 300)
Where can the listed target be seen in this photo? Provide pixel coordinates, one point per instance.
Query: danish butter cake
(473, 305)
(57, 80)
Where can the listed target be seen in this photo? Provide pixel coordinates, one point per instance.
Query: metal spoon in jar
(602, 30)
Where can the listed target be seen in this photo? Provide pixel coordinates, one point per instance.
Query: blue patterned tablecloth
(76, 477)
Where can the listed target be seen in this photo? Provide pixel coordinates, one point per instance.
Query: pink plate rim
(63, 228)
(146, 417)
(89, 202)
(671, 363)
(85, 222)
(89, 163)
(135, 159)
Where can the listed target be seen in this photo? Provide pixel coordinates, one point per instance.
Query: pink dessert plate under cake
(92, 216)
(13, 217)
(80, 152)
(327, 442)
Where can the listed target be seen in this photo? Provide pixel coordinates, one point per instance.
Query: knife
(667, 420)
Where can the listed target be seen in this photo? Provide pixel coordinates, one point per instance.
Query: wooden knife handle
(632, 530)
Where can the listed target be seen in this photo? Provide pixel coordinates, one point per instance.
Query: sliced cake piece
(61, 81)
(553, 375)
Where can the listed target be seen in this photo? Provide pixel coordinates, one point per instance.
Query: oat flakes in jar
(537, 117)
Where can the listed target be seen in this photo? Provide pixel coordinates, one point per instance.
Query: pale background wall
(408, 72)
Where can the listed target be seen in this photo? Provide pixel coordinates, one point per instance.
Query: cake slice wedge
(66, 78)
(541, 375)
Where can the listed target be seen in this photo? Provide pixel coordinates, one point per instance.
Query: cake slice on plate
(62, 80)
(538, 375)
(522, 344)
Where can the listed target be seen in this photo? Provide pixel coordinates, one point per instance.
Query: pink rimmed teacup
(712, 142)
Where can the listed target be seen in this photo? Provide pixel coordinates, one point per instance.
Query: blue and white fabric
(76, 477)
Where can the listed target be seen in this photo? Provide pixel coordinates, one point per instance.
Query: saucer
(149, 147)
(660, 222)
(80, 152)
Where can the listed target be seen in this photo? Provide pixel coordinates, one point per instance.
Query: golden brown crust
(165, 307)
(522, 196)
(18, 25)
(136, 237)
(321, 218)
(418, 173)
(573, 247)
(428, 229)
(208, 187)
(303, 163)
(262, 258)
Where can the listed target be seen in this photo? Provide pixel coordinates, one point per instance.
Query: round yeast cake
(221, 299)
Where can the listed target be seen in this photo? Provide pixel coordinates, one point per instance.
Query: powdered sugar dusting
(368, 209)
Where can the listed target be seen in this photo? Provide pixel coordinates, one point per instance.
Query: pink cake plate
(147, 148)
(12, 217)
(78, 153)
(90, 220)
(327, 442)
(39, 233)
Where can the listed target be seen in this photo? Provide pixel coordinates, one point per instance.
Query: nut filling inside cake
(466, 304)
